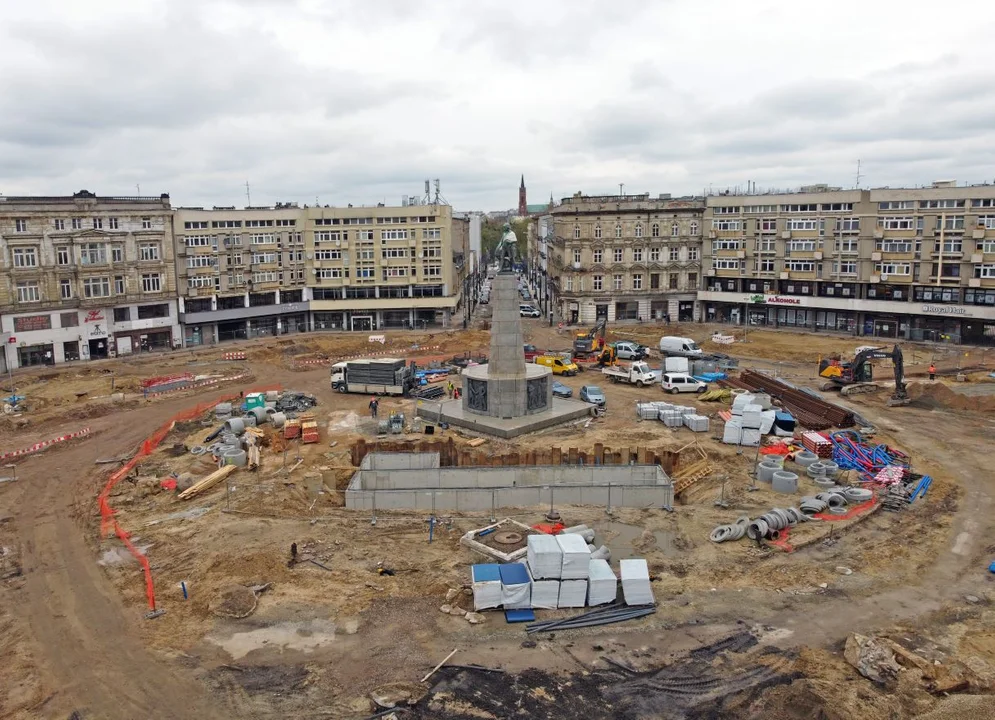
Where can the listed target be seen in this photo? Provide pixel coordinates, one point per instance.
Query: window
(726, 210)
(432, 233)
(893, 247)
(120, 286)
(62, 256)
(198, 240)
(655, 254)
(806, 266)
(195, 225)
(202, 261)
(262, 238)
(569, 283)
(766, 266)
(837, 207)
(98, 223)
(391, 253)
(25, 257)
(719, 245)
(286, 222)
(759, 209)
(65, 289)
(725, 264)
(654, 281)
(947, 270)
(153, 311)
(765, 245)
(845, 267)
(148, 251)
(327, 254)
(953, 222)
(431, 270)
(365, 273)
(675, 253)
(675, 229)
(263, 257)
(122, 314)
(986, 271)
(202, 281)
(672, 280)
(637, 282)
(326, 221)
(803, 208)
(434, 252)
(768, 225)
(893, 268)
(953, 246)
(940, 204)
(146, 223)
(258, 223)
(576, 256)
(803, 224)
(722, 225)
(639, 230)
(987, 222)
(598, 255)
(92, 254)
(96, 287)
(693, 228)
(692, 281)
(394, 234)
(265, 277)
(226, 223)
(897, 205)
(68, 320)
(896, 223)
(847, 246)
(59, 224)
(984, 203)
(576, 232)
(21, 225)
(598, 280)
(117, 253)
(331, 273)
(597, 232)
(617, 254)
(391, 272)
(847, 224)
(330, 235)
(800, 246)
(655, 229)
(693, 254)
(112, 223)
(28, 292)
(618, 231)
(618, 282)
(77, 223)
(637, 254)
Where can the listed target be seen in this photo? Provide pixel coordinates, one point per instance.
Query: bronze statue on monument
(507, 249)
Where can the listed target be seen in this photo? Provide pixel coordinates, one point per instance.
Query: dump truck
(637, 373)
(374, 376)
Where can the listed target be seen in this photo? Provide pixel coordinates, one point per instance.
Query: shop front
(232, 330)
(329, 320)
(139, 341)
(28, 355)
(886, 325)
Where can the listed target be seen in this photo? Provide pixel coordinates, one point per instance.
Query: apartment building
(241, 273)
(626, 257)
(85, 276)
(903, 263)
(382, 267)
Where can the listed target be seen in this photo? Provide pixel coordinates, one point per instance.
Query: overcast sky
(360, 100)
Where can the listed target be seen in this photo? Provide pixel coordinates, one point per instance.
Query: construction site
(221, 533)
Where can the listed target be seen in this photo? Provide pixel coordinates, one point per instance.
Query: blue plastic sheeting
(513, 574)
(711, 376)
(486, 572)
(519, 616)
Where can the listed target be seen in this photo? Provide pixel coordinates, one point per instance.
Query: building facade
(914, 264)
(241, 273)
(85, 276)
(626, 257)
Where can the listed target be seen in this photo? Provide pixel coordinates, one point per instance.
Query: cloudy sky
(360, 100)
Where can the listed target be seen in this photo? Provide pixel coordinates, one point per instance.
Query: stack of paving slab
(602, 584)
(650, 410)
(636, 582)
(486, 584)
(696, 423)
(673, 417)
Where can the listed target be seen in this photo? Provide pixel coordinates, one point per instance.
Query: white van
(681, 382)
(528, 311)
(679, 347)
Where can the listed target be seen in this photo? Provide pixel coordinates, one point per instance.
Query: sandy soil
(73, 637)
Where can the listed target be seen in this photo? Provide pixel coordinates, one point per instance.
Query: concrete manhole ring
(508, 537)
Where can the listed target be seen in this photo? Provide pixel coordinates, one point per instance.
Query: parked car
(626, 350)
(593, 394)
(561, 390)
(295, 401)
(679, 347)
(528, 311)
(682, 382)
(558, 365)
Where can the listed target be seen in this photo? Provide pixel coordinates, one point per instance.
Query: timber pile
(208, 482)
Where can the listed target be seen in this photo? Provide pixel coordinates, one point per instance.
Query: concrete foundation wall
(400, 461)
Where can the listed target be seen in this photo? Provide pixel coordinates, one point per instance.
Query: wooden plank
(477, 442)
(557, 458)
(599, 453)
(207, 482)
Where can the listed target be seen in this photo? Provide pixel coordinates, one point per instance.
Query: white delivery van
(681, 382)
(679, 347)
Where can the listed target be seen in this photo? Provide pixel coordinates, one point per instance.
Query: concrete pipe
(816, 469)
(777, 459)
(236, 426)
(832, 469)
(587, 534)
(272, 395)
(739, 391)
(278, 419)
(784, 482)
(806, 458)
(766, 470)
(857, 495)
(824, 483)
(271, 406)
(249, 419)
(602, 553)
(591, 547)
(235, 456)
(260, 414)
(222, 409)
(574, 529)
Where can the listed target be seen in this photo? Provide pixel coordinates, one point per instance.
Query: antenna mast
(858, 174)
(248, 196)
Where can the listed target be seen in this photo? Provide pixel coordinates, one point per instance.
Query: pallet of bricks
(292, 428)
(309, 429)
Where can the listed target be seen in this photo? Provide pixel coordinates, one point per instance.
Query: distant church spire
(523, 209)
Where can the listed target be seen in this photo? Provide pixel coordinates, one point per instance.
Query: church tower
(523, 209)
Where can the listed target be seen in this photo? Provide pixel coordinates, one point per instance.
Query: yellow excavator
(857, 376)
(592, 342)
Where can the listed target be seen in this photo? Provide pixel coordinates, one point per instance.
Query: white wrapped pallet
(602, 585)
(752, 417)
(545, 557)
(751, 437)
(732, 434)
(741, 401)
(516, 586)
(545, 594)
(636, 582)
(673, 419)
(486, 583)
(696, 423)
(573, 593)
(576, 557)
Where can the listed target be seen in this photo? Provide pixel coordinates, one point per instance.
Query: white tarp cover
(576, 557)
(573, 594)
(545, 557)
(636, 582)
(602, 587)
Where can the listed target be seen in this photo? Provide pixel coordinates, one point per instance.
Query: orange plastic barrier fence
(108, 523)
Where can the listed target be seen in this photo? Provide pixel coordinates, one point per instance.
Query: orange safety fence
(109, 523)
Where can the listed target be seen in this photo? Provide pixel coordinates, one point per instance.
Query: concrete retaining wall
(400, 461)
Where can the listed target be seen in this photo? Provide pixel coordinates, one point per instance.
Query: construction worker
(450, 387)
(932, 371)
(374, 406)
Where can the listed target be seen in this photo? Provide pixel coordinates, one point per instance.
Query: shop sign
(945, 309)
(93, 316)
(775, 300)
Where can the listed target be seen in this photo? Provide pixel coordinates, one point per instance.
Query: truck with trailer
(637, 373)
(374, 376)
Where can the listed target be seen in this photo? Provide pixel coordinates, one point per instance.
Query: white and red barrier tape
(386, 353)
(233, 356)
(44, 444)
(205, 383)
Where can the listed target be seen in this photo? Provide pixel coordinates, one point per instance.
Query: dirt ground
(740, 630)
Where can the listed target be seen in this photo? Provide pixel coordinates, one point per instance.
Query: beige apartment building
(371, 268)
(241, 273)
(84, 277)
(625, 257)
(900, 263)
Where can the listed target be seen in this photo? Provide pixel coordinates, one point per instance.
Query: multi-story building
(626, 257)
(241, 273)
(914, 264)
(85, 276)
(381, 267)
